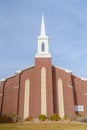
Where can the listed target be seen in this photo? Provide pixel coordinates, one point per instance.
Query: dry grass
(44, 126)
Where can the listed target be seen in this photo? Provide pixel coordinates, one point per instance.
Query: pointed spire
(43, 42)
(42, 27)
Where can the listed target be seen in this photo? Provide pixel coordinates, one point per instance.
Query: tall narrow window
(42, 47)
(60, 98)
(26, 98)
(43, 90)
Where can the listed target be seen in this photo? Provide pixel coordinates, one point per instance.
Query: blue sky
(66, 26)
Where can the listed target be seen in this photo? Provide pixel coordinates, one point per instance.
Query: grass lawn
(44, 126)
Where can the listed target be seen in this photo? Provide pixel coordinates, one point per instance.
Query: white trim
(70, 86)
(69, 71)
(42, 55)
(42, 37)
(1, 94)
(9, 77)
(85, 94)
(2, 80)
(82, 78)
(16, 87)
(18, 71)
(66, 70)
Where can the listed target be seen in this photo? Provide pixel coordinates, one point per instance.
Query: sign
(79, 108)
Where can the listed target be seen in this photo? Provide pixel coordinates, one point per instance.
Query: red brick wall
(45, 62)
(10, 96)
(10, 104)
(80, 93)
(1, 96)
(74, 90)
(67, 90)
(34, 75)
(28, 74)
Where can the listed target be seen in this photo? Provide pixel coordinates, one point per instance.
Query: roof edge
(66, 70)
(16, 72)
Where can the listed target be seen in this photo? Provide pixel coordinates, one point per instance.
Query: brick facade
(12, 90)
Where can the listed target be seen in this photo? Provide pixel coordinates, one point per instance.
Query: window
(60, 98)
(42, 47)
(26, 98)
(43, 91)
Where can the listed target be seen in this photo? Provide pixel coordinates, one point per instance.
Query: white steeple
(43, 27)
(43, 48)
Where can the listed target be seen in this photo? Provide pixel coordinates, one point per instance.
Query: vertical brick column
(39, 63)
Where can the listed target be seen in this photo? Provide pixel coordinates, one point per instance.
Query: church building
(43, 88)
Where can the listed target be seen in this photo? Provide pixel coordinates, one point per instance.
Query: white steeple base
(42, 55)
